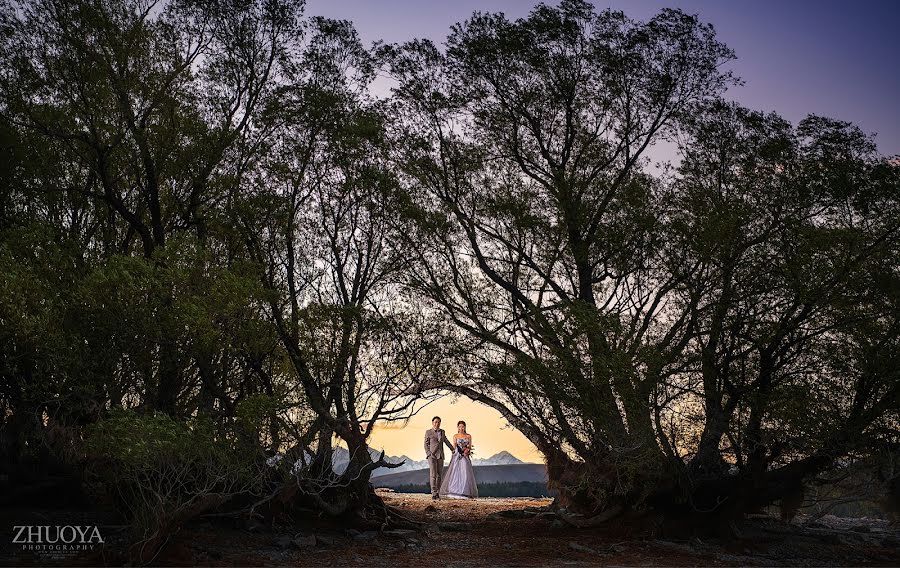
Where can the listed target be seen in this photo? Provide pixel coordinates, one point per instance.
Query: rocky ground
(514, 532)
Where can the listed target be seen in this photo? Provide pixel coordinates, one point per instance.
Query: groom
(434, 451)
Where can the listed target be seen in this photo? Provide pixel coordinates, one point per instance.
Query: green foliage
(136, 440)
(651, 333)
(254, 413)
(205, 210)
(161, 472)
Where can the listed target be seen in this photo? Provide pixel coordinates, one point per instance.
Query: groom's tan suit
(434, 451)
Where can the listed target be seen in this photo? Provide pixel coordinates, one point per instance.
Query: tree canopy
(209, 217)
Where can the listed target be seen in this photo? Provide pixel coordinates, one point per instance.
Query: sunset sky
(490, 433)
(831, 58)
(828, 57)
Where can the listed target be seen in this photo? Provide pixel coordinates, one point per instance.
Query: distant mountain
(409, 464)
(341, 457)
(533, 472)
(503, 458)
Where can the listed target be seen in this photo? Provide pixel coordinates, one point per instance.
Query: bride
(459, 481)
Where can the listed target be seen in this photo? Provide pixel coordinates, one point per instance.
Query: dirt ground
(461, 533)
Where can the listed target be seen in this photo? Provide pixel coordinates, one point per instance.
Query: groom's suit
(434, 451)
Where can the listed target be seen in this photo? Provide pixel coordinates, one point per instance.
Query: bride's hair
(463, 422)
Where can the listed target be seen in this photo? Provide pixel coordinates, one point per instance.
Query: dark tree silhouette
(220, 242)
(600, 307)
(331, 261)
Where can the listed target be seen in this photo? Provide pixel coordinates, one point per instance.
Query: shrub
(162, 472)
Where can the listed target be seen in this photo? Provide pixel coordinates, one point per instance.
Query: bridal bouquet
(469, 450)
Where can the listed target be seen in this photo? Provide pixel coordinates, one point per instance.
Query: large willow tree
(209, 215)
(318, 218)
(658, 336)
(198, 203)
(138, 108)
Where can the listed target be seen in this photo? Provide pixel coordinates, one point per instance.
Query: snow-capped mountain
(341, 457)
(513, 473)
(503, 458)
(409, 464)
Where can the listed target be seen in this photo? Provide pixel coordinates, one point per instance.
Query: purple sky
(797, 57)
(837, 59)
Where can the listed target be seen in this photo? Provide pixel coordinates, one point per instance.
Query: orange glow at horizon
(490, 432)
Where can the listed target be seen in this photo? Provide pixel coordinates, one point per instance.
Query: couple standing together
(459, 480)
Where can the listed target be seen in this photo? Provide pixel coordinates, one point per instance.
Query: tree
(795, 233)
(661, 338)
(329, 257)
(144, 106)
(541, 237)
(205, 211)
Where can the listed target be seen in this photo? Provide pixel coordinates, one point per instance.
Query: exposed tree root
(580, 521)
(354, 506)
(392, 516)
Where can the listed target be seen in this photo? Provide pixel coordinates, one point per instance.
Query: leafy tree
(796, 237)
(331, 262)
(143, 106)
(665, 340)
(540, 236)
(206, 212)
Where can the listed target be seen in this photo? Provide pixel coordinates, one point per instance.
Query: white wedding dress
(459, 480)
